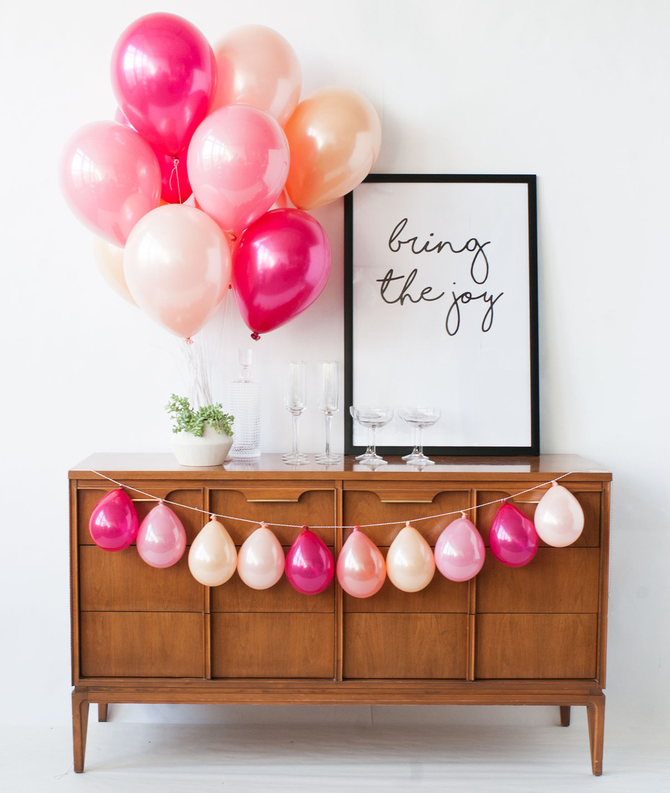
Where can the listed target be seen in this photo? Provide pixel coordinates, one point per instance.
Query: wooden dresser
(534, 635)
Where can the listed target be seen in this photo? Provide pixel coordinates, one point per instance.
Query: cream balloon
(109, 259)
(260, 562)
(559, 518)
(212, 559)
(410, 563)
(257, 66)
(177, 267)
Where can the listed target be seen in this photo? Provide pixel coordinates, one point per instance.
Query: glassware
(245, 405)
(373, 418)
(328, 402)
(419, 418)
(294, 401)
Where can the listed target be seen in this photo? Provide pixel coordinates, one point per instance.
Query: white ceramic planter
(211, 449)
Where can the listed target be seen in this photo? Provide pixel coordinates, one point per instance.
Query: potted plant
(201, 437)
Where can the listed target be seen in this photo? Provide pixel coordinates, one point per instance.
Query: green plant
(188, 420)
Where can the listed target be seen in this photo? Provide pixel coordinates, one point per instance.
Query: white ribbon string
(359, 525)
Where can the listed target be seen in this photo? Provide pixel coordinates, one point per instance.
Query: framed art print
(441, 310)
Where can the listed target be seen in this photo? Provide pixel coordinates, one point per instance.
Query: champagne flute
(327, 401)
(373, 418)
(295, 403)
(420, 418)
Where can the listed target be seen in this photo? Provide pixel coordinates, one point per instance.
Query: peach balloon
(260, 563)
(334, 138)
(361, 569)
(109, 259)
(212, 559)
(257, 66)
(177, 267)
(410, 563)
(559, 518)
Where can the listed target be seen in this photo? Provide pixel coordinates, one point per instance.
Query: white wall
(575, 91)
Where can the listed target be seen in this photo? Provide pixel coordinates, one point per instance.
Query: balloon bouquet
(229, 128)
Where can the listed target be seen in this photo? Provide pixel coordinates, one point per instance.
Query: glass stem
(421, 441)
(296, 417)
(329, 419)
(374, 441)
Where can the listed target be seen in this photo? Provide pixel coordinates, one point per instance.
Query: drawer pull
(406, 500)
(272, 500)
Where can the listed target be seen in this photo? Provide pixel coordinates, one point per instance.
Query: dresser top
(165, 466)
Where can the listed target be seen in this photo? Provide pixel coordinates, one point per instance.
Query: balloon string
(175, 173)
(357, 526)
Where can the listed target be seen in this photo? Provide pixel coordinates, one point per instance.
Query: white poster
(442, 309)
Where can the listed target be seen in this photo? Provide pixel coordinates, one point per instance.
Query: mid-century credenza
(534, 635)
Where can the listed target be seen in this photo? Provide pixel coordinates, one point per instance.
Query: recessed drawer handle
(406, 500)
(528, 499)
(272, 500)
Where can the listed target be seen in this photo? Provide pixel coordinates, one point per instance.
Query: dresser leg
(79, 728)
(565, 715)
(103, 706)
(595, 710)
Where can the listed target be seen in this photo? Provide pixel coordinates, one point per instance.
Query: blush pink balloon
(260, 562)
(512, 537)
(559, 518)
(361, 569)
(113, 523)
(257, 66)
(164, 79)
(110, 178)
(177, 267)
(309, 564)
(161, 539)
(238, 162)
(175, 186)
(281, 266)
(460, 551)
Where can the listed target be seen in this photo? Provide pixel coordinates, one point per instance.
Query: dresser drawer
(273, 645)
(126, 644)
(122, 581)
(405, 646)
(298, 505)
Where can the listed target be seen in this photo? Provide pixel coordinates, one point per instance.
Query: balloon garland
(309, 566)
(226, 126)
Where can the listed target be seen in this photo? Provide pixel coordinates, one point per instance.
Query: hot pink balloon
(113, 523)
(161, 540)
(309, 564)
(177, 267)
(175, 186)
(110, 178)
(164, 79)
(460, 551)
(512, 537)
(281, 266)
(238, 162)
(559, 518)
(361, 569)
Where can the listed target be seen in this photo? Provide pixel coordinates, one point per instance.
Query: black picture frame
(373, 201)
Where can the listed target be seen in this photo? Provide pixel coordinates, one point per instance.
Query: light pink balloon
(257, 66)
(559, 518)
(260, 562)
(460, 551)
(361, 569)
(238, 162)
(177, 267)
(110, 178)
(161, 540)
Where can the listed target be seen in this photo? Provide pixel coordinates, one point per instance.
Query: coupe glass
(327, 401)
(419, 419)
(294, 402)
(373, 418)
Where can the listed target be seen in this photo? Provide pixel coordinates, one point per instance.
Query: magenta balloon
(110, 178)
(460, 551)
(161, 540)
(164, 79)
(281, 265)
(175, 186)
(512, 537)
(309, 564)
(238, 163)
(113, 523)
